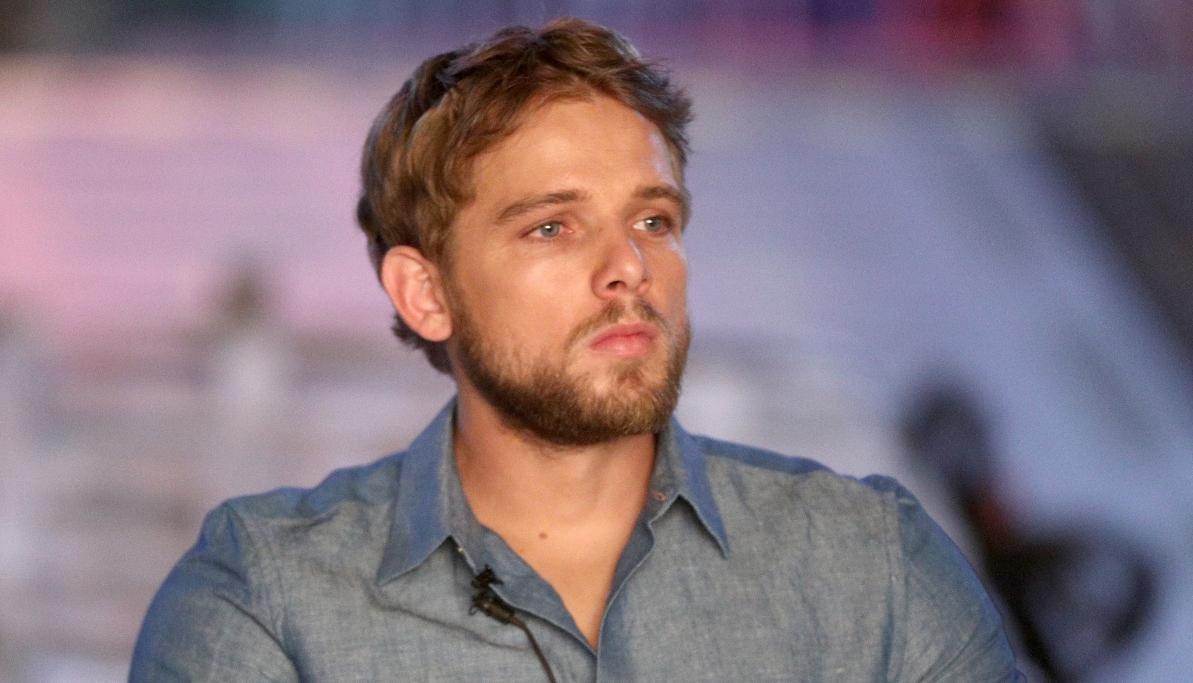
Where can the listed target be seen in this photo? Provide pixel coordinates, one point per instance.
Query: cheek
(531, 300)
(671, 279)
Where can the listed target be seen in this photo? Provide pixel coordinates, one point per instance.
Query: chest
(684, 612)
(581, 573)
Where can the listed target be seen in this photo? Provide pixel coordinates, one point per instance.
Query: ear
(416, 291)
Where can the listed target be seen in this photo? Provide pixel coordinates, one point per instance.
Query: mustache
(619, 312)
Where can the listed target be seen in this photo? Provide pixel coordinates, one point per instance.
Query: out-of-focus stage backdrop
(949, 240)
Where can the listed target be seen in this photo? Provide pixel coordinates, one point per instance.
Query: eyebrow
(538, 201)
(680, 197)
(528, 204)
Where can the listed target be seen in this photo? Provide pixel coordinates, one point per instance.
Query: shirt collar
(430, 505)
(680, 471)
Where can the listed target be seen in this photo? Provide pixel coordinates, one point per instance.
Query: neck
(512, 478)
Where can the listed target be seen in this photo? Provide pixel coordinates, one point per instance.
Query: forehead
(593, 139)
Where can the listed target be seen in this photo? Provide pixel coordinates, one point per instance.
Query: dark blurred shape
(836, 11)
(1126, 141)
(55, 25)
(1076, 597)
(245, 299)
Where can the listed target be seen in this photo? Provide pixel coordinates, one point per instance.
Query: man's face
(567, 281)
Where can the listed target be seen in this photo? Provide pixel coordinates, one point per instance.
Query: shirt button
(658, 495)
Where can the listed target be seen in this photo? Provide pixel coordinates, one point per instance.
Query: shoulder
(252, 555)
(351, 487)
(775, 485)
(349, 508)
(856, 539)
(811, 514)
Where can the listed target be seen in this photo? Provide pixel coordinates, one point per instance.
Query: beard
(561, 407)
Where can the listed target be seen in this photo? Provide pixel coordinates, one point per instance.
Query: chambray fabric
(745, 565)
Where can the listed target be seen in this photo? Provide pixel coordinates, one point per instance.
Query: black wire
(534, 644)
(487, 601)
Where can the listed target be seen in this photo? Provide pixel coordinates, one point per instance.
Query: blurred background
(949, 240)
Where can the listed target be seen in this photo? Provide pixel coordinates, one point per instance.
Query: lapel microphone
(488, 601)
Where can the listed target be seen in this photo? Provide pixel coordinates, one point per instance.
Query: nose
(622, 270)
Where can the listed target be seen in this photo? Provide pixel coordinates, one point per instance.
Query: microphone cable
(487, 601)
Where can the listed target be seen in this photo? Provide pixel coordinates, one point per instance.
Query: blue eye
(551, 229)
(654, 224)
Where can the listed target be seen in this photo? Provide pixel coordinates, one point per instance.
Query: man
(524, 202)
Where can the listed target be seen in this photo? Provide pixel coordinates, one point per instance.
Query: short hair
(415, 168)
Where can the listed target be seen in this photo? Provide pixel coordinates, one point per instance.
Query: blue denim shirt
(745, 565)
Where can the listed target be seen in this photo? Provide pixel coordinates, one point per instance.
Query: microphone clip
(487, 601)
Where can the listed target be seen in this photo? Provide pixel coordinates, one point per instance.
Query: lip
(625, 339)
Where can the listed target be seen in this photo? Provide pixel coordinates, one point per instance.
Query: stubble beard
(561, 407)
